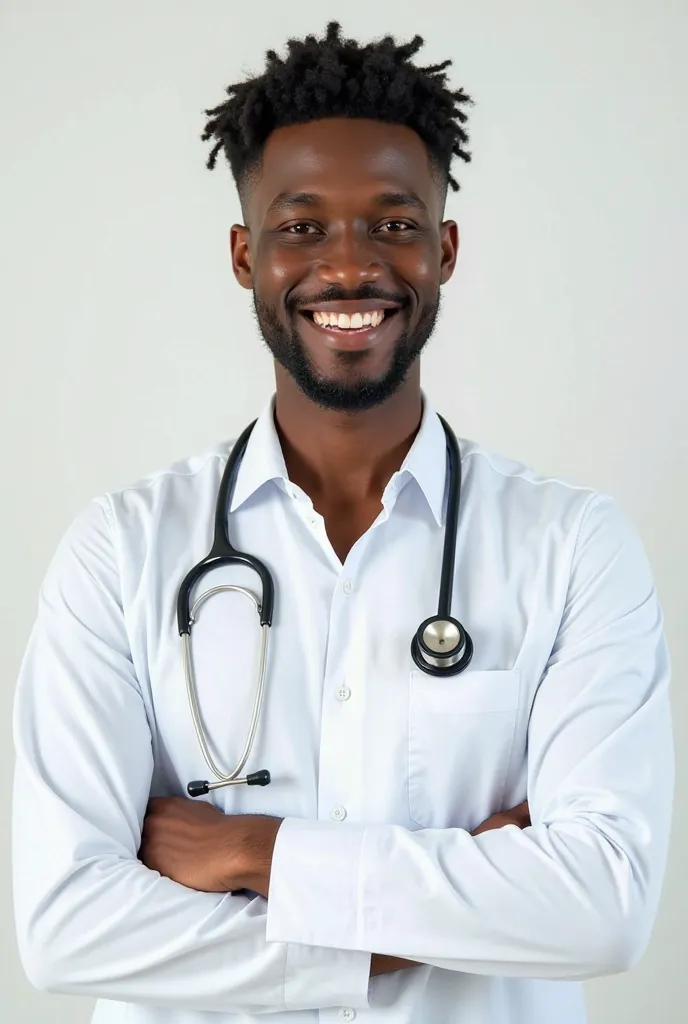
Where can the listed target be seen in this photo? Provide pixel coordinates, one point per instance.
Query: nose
(349, 261)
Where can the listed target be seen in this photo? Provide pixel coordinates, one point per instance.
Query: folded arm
(575, 894)
(91, 918)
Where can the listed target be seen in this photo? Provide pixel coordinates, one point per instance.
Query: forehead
(343, 158)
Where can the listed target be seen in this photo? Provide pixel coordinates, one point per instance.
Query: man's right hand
(381, 964)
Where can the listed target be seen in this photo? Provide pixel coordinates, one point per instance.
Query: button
(346, 1013)
(348, 587)
(338, 813)
(343, 693)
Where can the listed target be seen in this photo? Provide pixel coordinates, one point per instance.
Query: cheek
(422, 266)
(425, 271)
(273, 267)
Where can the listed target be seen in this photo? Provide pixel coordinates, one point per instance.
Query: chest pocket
(461, 737)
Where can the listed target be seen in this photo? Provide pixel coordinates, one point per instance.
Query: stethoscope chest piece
(441, 647)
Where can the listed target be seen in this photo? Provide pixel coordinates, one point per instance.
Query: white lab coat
(380, 771)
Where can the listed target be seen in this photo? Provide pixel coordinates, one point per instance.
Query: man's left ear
(449, 232)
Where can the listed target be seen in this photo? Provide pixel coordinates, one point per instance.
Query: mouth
(353, 330)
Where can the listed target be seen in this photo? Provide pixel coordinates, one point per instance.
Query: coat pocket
(461, 736)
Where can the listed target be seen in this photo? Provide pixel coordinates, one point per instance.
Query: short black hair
(337, 77)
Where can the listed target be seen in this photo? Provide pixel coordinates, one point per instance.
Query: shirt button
(346, 1013)
(348, 587)
(343, 693)
(338, 813)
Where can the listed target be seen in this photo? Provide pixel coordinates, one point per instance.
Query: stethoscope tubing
(438, 662)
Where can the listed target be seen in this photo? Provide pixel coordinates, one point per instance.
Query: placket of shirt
(343, 762)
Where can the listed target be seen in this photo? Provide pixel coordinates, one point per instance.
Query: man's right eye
(300, 228)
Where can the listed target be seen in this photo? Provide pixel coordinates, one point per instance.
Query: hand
(195, 844)
(519, 815)
(381, 964)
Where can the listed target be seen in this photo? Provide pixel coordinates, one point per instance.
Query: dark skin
(364, 180)
(341, 460)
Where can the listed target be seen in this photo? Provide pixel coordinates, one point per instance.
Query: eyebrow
(287, 201)
(409, 199)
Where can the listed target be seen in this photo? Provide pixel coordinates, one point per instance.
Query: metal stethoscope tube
(232, 779)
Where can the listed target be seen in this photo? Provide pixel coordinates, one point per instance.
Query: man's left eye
(396, 225)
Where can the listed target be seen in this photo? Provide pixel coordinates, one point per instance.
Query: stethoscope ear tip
(198, 788)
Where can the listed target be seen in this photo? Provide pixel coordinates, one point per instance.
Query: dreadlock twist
(337, 77)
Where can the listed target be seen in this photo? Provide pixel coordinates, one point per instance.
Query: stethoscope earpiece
(201, 786)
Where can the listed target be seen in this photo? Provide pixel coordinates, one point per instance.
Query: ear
(449, 240)
(240, 249)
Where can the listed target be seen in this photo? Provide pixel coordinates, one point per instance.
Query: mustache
(336, 294)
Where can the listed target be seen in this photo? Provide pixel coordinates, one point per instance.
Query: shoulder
(169, 487)
(164, 510)
(490, 474)
(546, 512)
(547, 523)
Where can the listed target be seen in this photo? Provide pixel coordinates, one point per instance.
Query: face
(345, 251)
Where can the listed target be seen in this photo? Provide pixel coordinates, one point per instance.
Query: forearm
(253, 866)
(115, 930)
(542, 902)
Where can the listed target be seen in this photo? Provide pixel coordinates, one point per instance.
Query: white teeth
(345, 322)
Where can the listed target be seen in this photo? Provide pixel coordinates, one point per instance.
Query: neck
(345, 457)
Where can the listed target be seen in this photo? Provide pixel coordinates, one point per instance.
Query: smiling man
(461, 846)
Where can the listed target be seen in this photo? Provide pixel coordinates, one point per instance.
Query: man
(360, 883)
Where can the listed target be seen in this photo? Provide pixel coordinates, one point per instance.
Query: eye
(301, 227)
(397, 227)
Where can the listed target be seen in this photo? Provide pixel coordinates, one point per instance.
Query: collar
(425, 462)
(263, 460)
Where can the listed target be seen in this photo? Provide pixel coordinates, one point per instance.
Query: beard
(353, 392)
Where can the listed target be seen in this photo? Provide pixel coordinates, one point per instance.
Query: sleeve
(91, 918)
(571, 897)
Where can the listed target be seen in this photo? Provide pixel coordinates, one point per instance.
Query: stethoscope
(441, 646)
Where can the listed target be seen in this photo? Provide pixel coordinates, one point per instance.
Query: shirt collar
(425, 461)
(263, 459)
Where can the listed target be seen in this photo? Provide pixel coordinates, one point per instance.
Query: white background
(127, 344)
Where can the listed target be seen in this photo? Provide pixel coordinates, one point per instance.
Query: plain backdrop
(127, 344)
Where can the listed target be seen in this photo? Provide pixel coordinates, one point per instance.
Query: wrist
(251, 858)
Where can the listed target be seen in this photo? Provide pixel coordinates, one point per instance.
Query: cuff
(319, 979)
(314, 894)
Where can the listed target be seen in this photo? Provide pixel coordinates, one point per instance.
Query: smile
(346, 322)
(352, 331)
